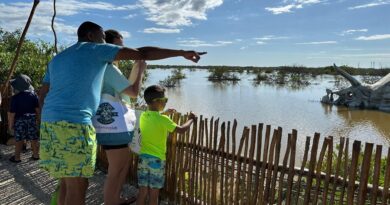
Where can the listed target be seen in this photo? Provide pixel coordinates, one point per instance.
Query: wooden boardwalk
(25, 183)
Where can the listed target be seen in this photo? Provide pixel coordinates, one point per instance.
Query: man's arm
(155, 53)
(42, 94)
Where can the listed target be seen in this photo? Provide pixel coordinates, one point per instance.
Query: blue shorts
(151, 172)
(26, 128)
(122, 138)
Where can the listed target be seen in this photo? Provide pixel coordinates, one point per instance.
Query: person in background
(115, 143)
(154, 131)
(22, 116)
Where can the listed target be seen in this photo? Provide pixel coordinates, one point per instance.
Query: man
(73, 84)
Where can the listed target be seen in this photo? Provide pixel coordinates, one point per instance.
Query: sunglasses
(164, 100)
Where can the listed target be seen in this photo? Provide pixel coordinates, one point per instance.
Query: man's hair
(111, 35)
(153, 92)
(87, 27)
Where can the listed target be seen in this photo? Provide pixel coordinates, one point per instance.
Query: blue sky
(234, 32)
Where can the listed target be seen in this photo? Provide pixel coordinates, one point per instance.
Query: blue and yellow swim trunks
(151, 171)
(67, 149)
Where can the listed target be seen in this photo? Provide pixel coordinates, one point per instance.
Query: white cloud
(369, 55)
(173, 13)
(352, 31)
(130, 16)
(372, 4)
(233, 18)
(193, 42)
(261, 42)
(161, 30)
(291, 5)
(125, 34)
(374, 37)
(14, 15)
(271, 37)
(317, 43)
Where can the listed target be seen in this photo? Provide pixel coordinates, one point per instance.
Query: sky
(233, 32)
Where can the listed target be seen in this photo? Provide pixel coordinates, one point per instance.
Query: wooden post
(339, 157)
(290, 178)
(305, 156)
(312, 164)
(352, 172)
(377, 173)
(364, 172)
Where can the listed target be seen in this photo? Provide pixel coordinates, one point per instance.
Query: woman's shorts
(26, 128)
(151, 172)
(122, 138)
(68, 149)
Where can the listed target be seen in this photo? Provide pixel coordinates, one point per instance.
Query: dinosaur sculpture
(360, 95)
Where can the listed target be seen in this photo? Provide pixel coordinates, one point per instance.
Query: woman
(116, 144)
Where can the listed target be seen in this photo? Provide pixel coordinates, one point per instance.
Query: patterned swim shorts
(26, 128)
(151, 172)
(67, 149)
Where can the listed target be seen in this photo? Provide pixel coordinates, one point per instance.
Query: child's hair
(153, 92)
(87, 27)
(111, 35)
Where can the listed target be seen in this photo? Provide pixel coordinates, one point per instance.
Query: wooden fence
(209, 165)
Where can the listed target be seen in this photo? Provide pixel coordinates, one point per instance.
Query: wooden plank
(276, 163)
(194, 157)
(214, 164)
(364, 173)
(290, 177)
(258, 160)
(250, 166)
(245, 135)
(325, 145)
(346, 161)
(227, 167)
(261, 199)
(282, 173)
(328, 170)
(303, 165)
(221, 149)
(352, 172)
(387, 179)
(312, 164)
(232, 198)
(269, 170)
(209, 167)
(337, 171)
(205, 162)
(377, 173)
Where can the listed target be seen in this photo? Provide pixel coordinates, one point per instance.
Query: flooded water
(287, 107)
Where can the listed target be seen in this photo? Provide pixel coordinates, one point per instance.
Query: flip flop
(13, 160)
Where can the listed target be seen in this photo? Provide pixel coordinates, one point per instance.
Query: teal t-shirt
(154, 132)
(75, 77)
(114, 82)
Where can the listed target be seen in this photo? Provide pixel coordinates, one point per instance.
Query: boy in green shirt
(154, 131)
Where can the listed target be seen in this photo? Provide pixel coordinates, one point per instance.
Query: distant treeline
(284, 69)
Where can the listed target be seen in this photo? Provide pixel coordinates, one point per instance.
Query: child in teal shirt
(154, 131)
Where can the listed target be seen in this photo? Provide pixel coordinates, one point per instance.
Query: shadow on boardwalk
(25, 183)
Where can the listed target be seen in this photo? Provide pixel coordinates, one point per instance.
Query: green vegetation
(174, 79)
(220, 74)
(314, 71)
(33, 59)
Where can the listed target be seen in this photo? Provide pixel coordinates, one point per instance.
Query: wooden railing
(211, 165)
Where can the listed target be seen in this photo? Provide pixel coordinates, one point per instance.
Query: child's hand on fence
(170, 111)
(192, 116)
